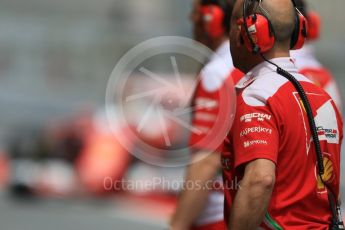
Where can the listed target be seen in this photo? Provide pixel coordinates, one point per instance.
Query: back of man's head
(281, 14)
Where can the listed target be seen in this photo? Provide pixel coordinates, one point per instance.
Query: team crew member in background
(269, 147)
(306, 60)
(200, 208)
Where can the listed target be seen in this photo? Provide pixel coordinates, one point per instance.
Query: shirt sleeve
(332, 89)
(204, 119)
(212, 117)
(323, 78)
(255, 135)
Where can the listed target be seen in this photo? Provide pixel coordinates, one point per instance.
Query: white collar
(222, 50)
(265, 68)
(305, 57)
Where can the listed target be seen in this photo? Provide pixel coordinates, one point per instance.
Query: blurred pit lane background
(55, 61)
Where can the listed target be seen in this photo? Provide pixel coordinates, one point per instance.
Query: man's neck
(216, 43)
(257, 59)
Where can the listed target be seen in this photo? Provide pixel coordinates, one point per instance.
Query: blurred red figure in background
(203, 208)
(4, 170)
(102, 158)
(307, 62)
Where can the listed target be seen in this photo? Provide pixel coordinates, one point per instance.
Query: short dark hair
(227, 6)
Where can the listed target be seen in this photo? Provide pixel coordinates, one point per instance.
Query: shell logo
(302, 104)
(328, 176)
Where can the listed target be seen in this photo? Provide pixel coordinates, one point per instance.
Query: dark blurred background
(55, 61)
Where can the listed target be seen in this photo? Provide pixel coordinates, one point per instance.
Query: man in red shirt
(201, 204)
(306, 61)
(270, 149)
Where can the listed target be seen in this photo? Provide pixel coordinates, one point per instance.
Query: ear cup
(314, 25)
(260, 31)
(300, 32)
(213, 16)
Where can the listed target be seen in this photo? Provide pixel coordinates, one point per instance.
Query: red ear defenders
(314, 25)
(213, 16)
(258, 35)
(300, 32)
